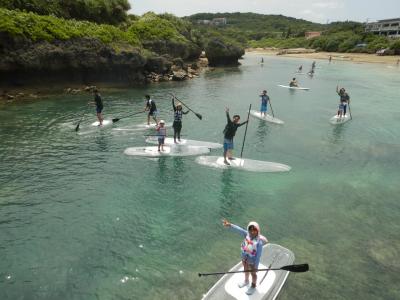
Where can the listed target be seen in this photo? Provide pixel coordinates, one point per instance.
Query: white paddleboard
(269, 283)
(242, 164)
(294, 87)
(266, 117)
(170, 141)
(105, 123)
(152, 125)
(152, 151)
(335, 120)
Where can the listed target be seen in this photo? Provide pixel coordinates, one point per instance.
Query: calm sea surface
(81, 220)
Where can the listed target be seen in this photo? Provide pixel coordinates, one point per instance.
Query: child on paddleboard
(252, 247)
(229, 133)
(161, 134)
(264, 103)
(293, 83)
(344, 98)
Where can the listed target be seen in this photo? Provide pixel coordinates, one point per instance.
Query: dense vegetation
(255, 30)
(99, 11)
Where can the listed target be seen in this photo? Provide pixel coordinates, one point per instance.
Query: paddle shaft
(351, 117)
(245, 132)
(117, 119)
(290, 268)
(197, 115)
(270, 105)
(83, 115)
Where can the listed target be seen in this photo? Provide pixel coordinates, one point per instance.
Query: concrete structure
(218, 21)
(388, 27)
(312, 34)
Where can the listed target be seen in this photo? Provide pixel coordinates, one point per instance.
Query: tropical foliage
(99, 11)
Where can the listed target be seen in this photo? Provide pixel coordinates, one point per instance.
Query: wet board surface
(105, 123)
(152, 151)
(293, 87)
(170, 141)
(266, 117)
(152, 125)
(269, 283)
(336, 120)
(242, 164)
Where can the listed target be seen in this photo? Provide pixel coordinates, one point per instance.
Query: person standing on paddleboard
(252, 247)
(344, 98)
(229, 133)
(99, 106)
(264, 103)
(151, 108)
(161, 134)
(177, 125)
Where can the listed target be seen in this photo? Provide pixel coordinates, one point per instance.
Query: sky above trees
(320, 11)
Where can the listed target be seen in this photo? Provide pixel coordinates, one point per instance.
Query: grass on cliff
(50, 28)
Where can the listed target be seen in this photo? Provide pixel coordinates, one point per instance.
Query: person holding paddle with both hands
(252, 247)
(229, 133)
(99, 106)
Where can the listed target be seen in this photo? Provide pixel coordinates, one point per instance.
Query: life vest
(178, 116)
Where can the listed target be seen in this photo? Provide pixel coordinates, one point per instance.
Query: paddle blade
(199, 116)
(296, 268)
(77, 127)
(115, 120)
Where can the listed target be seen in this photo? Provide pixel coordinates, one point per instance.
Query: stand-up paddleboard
(105, 123)
(242, 164)
(266, 117)
(152, 125)
(152, 151)
(294, 87)
(184, 142)
(269, 283)
(335, 120)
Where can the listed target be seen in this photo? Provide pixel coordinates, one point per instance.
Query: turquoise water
(80, 220)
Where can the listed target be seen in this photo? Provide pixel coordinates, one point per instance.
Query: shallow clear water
(80, 220)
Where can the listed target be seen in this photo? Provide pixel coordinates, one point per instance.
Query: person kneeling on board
(293, 83)
(252, 247)
(229, 133)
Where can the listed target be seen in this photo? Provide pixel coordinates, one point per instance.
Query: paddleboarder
(344, 98)
(252, 247)
(264, 102)
(151, 108)
(177, 125)
(161, 134)
(229, 133)
(294, 83)
(98, 102)
(300, 69)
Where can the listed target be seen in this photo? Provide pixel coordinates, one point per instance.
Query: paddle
(245, 132)
(117, 119)
(351, 117)
(270, 105)
(83, 115)
(197, 115)
(290, 268)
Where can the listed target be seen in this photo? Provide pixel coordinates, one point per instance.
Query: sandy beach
(353, 57)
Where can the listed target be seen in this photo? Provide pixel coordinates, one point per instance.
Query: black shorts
(177, 125)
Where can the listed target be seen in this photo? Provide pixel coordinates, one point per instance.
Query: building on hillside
(388, 27)
(218, 21)
(204, 22)
(312, 34)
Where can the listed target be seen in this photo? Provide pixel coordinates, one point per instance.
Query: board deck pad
(273, 256)
(335, 120)
(266, 117)
(242, 164)
(105, 123)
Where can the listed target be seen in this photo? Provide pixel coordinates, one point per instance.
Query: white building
(388, 27)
